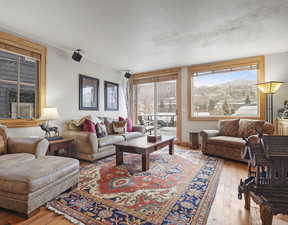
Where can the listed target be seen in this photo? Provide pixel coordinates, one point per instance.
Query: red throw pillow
(88, 126)
(121, 118)
(129, 125)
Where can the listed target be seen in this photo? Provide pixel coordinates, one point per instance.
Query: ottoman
(29, 183)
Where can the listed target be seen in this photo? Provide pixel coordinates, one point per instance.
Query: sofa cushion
(226, 141)
(11, 160)
(228, 127)
(29, 177)
(110, 140)
(249, 127)
(131, 135)
(109, 124)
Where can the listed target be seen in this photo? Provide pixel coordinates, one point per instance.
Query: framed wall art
(111, 96)
(88, 93)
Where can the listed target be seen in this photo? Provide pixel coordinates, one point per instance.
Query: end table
(194, 140)
(55, 146)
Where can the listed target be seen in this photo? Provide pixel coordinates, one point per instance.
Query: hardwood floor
(226, 208)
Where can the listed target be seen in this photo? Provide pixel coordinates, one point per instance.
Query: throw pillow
(109, 125)
(101, 130)
(228, 127)
(121, 118)
(119, 127)
(88, 126)
(129, 126)
(249, 127)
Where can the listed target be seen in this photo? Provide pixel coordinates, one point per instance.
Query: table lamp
(269, 88)
(50, 113)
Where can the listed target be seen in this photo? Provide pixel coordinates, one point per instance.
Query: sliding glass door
(157, 100)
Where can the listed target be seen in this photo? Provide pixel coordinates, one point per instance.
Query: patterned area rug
(177, 189)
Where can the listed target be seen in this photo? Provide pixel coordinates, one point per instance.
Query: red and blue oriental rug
(177, 189)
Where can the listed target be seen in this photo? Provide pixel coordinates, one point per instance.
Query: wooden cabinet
(281, 126)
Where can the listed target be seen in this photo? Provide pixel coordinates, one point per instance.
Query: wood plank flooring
(226, 208)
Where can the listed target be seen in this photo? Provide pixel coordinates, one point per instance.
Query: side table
(194, 140)
(55, 146)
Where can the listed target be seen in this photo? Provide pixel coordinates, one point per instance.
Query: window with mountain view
(227, 92)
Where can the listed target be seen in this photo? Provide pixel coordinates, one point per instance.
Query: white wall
(62, 90)
(276, 67)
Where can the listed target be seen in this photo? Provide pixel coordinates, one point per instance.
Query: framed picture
(88, 93)
(111, 94)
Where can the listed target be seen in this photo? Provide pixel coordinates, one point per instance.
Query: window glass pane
(27, 102)
(18, 86)
(28, 70)
(8, 66)
(8, 96)
(225, 94)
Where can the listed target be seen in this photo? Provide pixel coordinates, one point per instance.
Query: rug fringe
(71, 219)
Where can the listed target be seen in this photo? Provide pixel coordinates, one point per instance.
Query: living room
(136, 77)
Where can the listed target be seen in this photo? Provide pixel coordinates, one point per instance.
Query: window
(227, 90)
(22, 81)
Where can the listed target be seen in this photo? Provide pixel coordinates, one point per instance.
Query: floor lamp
(269, 88)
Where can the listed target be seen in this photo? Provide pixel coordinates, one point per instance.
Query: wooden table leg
(119, 157)
(247, 200)
(171, 147)
(145, 161)
(266, 215)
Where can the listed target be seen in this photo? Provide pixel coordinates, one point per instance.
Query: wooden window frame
(160, 74)
(14, 44)
(259, 60)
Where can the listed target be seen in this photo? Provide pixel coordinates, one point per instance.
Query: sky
(220, 78)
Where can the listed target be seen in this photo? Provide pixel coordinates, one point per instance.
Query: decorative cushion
(249, 127)
(119, 127)
(77, 124)
(129, 126)
(268, 128)
(228, 127)
(101, 130)
(121, 118)
(110, 140)
(109, 125)
(88, 126)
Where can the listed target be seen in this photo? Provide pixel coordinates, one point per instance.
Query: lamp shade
(269, 87)
(50, 113)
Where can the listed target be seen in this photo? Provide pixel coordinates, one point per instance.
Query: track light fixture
(76, 55)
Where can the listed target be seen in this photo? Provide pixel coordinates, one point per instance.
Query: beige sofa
(28, 178)
(227, 141)
(87, 146)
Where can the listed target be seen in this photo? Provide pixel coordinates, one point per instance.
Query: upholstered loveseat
(29, 178)
(227, 141)
(87, 146)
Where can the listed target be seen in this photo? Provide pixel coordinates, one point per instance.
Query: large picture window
(226, 90)
(22, 81)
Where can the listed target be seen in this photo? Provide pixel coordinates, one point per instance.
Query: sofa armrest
(139, 128)
(35, 146)
(205, 134)
(85, 142)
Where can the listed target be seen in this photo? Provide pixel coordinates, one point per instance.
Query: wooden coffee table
(143, 147)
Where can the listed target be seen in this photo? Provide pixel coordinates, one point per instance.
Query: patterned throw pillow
(109, 125)
(119, 127)
(249, 127)
(101, 130)
(228, 127)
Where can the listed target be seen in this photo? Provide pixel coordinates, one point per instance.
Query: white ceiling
(143, 35)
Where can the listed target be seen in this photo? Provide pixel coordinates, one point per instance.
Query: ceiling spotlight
(76, 55)
(127, 75)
